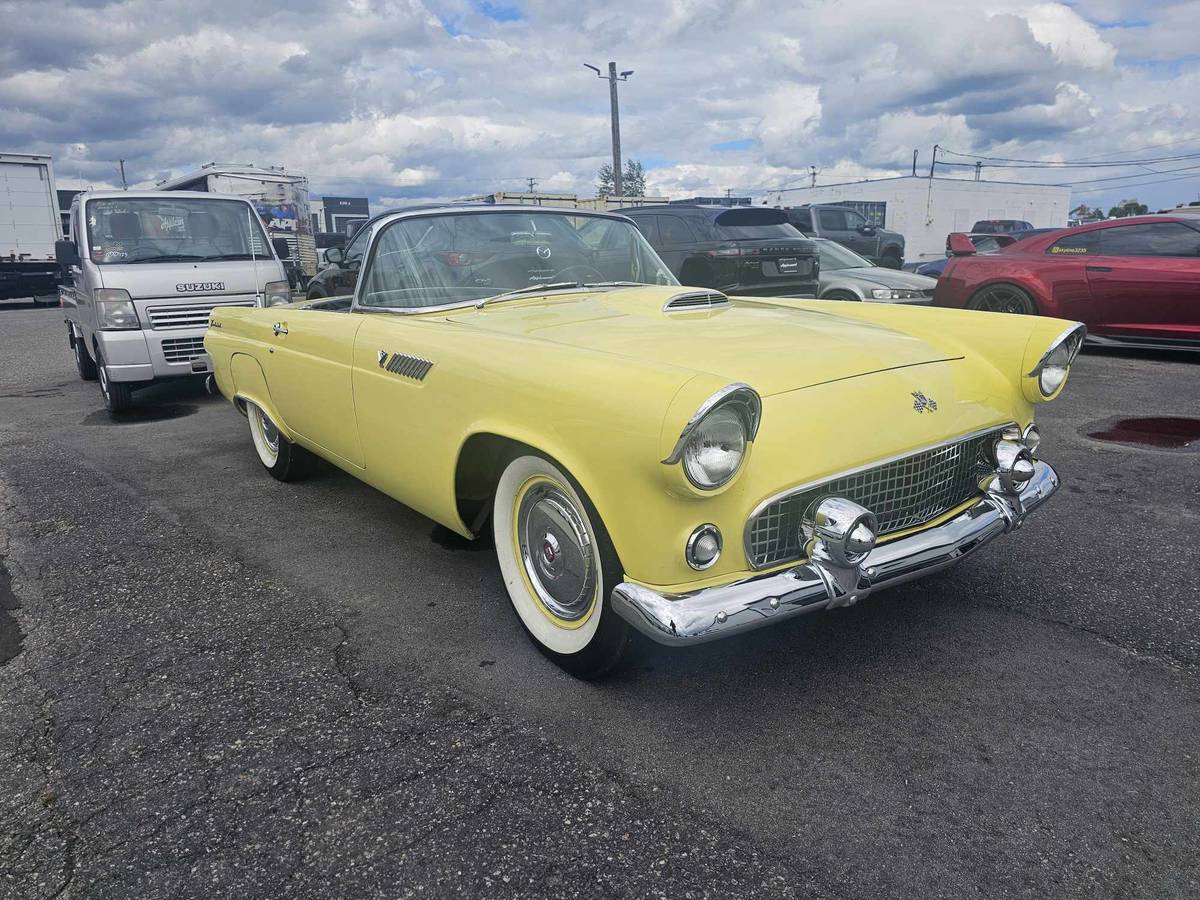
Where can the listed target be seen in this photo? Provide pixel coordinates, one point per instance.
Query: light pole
(612, 78)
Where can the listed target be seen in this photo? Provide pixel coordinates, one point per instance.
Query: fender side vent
(407, 366)
(695, 300)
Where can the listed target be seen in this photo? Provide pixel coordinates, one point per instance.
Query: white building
(925, 209)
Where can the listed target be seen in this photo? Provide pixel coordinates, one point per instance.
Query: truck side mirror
(66, 253)
(866, 230)
(282, 248)
(334, 255)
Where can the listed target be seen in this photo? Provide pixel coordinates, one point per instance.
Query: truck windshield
(450, 258)
(162, 229)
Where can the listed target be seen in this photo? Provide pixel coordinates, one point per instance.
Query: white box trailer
(280, 198)
(29, 226)
(926, 210)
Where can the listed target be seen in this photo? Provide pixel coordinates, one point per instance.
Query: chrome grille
(181, 350)
(191, 315)
(902, 493)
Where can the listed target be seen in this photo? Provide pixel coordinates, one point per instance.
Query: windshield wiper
(234, 256)
(531, 289)
(170, 257)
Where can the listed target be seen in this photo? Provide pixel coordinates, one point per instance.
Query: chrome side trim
(407, 366)
(1067, 334)
(739, 393)
(759, 600)
(866, 467)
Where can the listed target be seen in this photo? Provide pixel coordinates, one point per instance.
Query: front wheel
(84, 364)
(118, 395)
(559, 567)
(1005, 298)
(891, 259)
(284, 460)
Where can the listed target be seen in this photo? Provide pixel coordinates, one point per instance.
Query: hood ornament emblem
(922, 403)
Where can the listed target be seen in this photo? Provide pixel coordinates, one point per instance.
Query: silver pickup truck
(143, 271)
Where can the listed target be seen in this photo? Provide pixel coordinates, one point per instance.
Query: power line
(1125, 177)
(1006, 162)
(1139, 184)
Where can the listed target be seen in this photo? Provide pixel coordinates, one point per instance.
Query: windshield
(161, 229)
(835, 256)
(450, 258)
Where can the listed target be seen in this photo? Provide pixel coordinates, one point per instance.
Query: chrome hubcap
(270, 433)
(556, 551)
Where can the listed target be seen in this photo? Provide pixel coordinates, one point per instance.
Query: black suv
(736, 249)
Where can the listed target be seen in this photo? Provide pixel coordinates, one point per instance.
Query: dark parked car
(738, 250)
(340, 274)
(984, 243)
(851, 229)
(1000, 226)
(1134, 281)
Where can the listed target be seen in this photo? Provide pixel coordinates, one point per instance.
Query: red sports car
(1132, 281)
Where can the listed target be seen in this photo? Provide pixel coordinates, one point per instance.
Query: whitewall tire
(558, 565)
(283, 459)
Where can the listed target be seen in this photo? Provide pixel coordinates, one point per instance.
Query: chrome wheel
(1004, 298)
(556, 552)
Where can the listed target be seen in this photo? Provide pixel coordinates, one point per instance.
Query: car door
(308, 369)
(832, 222)
(677, 243)
(864, 238)
(1145, 281)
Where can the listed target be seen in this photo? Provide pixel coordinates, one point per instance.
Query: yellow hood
(772, 346)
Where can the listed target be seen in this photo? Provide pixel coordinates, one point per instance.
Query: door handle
(1098, 268)
(279, 328)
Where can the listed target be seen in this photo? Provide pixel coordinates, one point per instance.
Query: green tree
(1128, 208)
(633, 180)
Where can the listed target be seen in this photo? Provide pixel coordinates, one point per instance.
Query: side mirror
(282, 249)
(958, 244)
(66, 253)
(866, 230)
(334, 255)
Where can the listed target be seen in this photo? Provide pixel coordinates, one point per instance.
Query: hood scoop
(692, 300)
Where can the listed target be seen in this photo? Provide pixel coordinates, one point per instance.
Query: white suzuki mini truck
(143, 270)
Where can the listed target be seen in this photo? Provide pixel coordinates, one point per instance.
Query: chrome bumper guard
(821, 583)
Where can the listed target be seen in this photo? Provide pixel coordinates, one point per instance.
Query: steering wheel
(561, 274)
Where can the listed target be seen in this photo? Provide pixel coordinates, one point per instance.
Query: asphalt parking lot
(214, 683)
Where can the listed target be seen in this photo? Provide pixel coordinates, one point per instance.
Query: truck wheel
(891, 258)
(559, 567)
(283, 459)
(118, 395)
(84, 364)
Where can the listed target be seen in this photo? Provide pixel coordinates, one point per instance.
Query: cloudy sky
(404, 100)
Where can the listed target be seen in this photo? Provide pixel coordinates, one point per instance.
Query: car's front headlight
(277, 293)
(114, 309)
(712, 445)
(1052, 368)
(895, 294)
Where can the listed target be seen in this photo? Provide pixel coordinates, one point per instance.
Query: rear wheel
(118, 395)
(559, 567)
(283, 459)
(891, 259)
(840, 295)
(1005, 298)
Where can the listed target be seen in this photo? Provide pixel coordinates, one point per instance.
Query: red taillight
(733, 251)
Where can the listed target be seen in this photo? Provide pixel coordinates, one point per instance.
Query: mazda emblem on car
(922, 403)
(543, 251)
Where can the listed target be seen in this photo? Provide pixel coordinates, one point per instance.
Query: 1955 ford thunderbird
(647, 455)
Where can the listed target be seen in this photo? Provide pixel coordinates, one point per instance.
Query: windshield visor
(450, 258)
(168, 230)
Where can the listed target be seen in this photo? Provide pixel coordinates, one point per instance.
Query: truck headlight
(277, 293)
(1052, 369)
(712, 445)
(114, 309)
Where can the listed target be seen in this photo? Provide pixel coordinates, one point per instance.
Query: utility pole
(532, 184)
(978, 168)
(612, 77)
(124, 186)
(915, 152)
(933, 162)
(812, 175)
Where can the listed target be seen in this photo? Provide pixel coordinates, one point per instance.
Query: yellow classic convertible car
(647, 455)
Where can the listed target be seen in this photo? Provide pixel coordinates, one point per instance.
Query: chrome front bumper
(821, 583)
